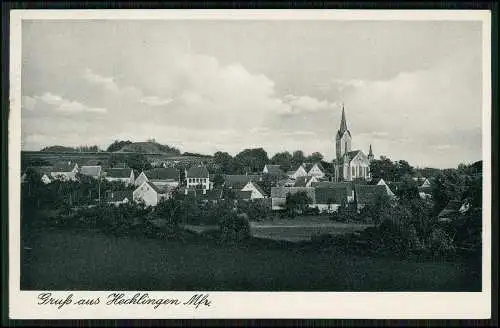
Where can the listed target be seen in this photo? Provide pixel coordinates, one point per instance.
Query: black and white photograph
(244, 155)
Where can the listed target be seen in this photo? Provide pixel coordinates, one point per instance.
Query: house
(125, 175)
(348, 186)
(119, 197)
(238, 181)
(299, 172)
(369, 194)
(198, 176)
(243, 195)
(44, 172)
(160, 177)
(255, 189)
(64, 171)
(149, 193)
(317, 170)
(451, 211)
(381, 182)
(213, 195)
(328, 200)
(94, 171)
(278, 195)
(305, 181)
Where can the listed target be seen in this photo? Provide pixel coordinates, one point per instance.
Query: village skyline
(411, 89)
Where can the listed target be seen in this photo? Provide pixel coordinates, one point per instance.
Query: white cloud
(300, 104)
(155, 101)
(60, 104)
(106, 82)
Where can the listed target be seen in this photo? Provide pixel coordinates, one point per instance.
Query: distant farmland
(84, 157)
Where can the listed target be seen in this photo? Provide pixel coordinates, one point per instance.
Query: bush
(234, 229)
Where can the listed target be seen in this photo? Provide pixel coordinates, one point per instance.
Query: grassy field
(297, 229)
(85, 260)
(301, 228)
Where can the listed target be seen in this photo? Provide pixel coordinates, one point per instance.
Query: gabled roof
(259, 189)
(151, 185)
(197, 172)
(118, 196)
(274, 170)
(451, 208)
(367, 194)
(320, 166)
(307, 166)
(163, 173)
(330, 195)
(118, 173)
(93, 171)
(63, 167)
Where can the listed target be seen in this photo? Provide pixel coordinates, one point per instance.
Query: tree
(315, 157)
(218, 180)
(298, 157)
(296, 203)
(137, 162)
(252, 160)
(224, 161)
(283, 159)
(117, 145)
(408, 188)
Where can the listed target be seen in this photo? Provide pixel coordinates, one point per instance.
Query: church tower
(343, 137)
(370, 154)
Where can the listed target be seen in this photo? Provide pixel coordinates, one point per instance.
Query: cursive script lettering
(139, 298)
(198, 299)
(47, 299)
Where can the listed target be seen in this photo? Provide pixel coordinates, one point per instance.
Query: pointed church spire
(343, 122)
(370, 152)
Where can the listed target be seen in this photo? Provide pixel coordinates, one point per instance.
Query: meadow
(55, 259)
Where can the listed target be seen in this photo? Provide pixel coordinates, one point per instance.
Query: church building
(349, 164)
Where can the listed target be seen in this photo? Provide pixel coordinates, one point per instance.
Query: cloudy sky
(411, 89)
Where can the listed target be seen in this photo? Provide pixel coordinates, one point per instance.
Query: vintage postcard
(249, 164)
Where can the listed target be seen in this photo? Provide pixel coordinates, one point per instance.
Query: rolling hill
(148, 147)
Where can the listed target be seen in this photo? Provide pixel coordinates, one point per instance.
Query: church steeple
(370, 153)
(343, 137)
(343, 122)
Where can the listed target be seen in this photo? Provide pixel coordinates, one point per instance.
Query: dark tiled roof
(366, 194)
(197, 172)
(302, 181)
(214, 194)
(118, 196)
(274, 170)
(63, 167)
(330, 195)
(93, 171)
(118, 173)
(243, 194)
(239, 180)
(42, 169)
(451, 208)
(281, 192)
(163, 173)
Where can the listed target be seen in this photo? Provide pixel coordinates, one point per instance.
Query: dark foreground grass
(76, 260)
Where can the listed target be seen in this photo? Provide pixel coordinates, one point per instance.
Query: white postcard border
(341, 305)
